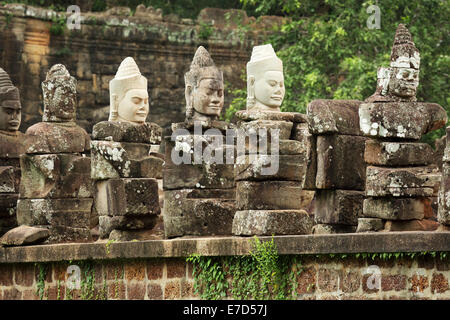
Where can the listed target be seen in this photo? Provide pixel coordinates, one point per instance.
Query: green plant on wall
(205, 31)
(58, 25)
(261, 275)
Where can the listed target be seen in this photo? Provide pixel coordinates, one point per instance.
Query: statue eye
(136, 100)
(220, 93)
(272, 83)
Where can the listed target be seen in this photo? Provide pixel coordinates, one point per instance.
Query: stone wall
(158, 269)
(33, 39)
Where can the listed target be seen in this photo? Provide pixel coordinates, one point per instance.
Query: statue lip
(276, 97)
(13, 123)
(141, 113)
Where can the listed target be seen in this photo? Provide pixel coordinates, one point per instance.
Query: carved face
(270, 90)
(207, 98)
(10, 115)
(134, 106)
(404, 82)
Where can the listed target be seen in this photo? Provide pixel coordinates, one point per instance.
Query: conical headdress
(263, 59)
(202, 67)
(404, 53)
(7, 90)
(127, 77)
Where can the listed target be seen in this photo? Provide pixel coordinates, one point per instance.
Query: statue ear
(250, 91)
(114, 107)
(188, 95)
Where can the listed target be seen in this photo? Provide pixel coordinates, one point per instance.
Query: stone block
(397, 153)
(404, 120)
(401, 182)
(340, 162)
(271, 222)
(108, 223)
(323, 228)
(397, 208)
(369, 224)
(338, 206)
(123, 197)
(444, 196)
(55, 176)
(11, 145)
(24, 235)
(252, 127)
(191, 124)
(300, 132)
(250, 115)
(58, 212)
(9, 179)
(147, 132)
(54, 137)
(285, 147)
(271, 167)
(61, 234)
(333, 116)
(198, 212)
(411, 225)
(198, 176)
(268, 195)
(8, 204)
(123, 160)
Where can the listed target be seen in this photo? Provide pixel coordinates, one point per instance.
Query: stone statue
(204, 88)
(399, 82)
(10, 107)
(265, 80)
(128, 94)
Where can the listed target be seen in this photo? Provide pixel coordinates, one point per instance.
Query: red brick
(155, 269)
(114, 271)
(24, 275)
(350, 282)
(55, 293)
(187, 289)
(365, 280)
(426, 262)
(136, 291)
(172, 290)
(30, 294)
(116, 290)
(328, 280)
(135, 271)
(154, 292)
(306, 281)
(60, 272)
(395, 282)
(12, 294)
(176, 268)
(443, 264)
(6, 275)
(190, 269)
(418, 283)
(47, 269)
(439, 283)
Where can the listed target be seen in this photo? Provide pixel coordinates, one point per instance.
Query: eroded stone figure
(11, 146)
(265, 80)
(203, 88)
(401, 181)
(126, 164)
(55, 187)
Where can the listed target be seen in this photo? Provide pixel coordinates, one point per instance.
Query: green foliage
(58, 25)
(40, 281)
(261, 275)
(205, 31)
(329, 52)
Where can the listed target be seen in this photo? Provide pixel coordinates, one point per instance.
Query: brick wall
(322, 278)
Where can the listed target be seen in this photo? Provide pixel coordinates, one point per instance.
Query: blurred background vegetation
(326, 47)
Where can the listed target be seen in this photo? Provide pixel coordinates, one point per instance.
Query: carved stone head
(265, 80)
(129, 100)
(60, 95)
(10, 107)
(203, 88)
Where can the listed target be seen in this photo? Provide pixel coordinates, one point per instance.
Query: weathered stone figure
(10, 149)
(265, 80)
(125, 161)
(401, 185)
(55, 188)
(199, 192)
(203, 88)
(269, 183)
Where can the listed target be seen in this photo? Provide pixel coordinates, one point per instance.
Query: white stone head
(265, 80)
(129, 100)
